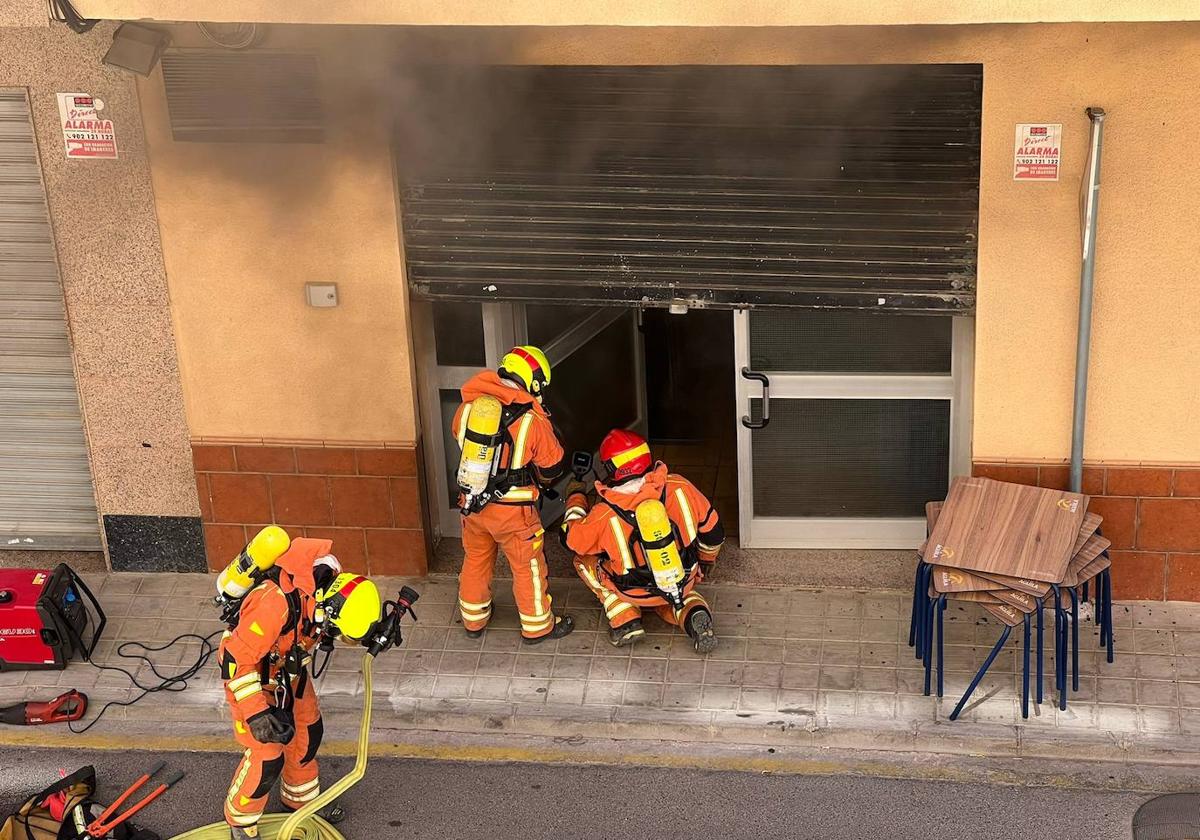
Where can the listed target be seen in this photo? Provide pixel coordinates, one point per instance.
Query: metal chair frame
(926, 627)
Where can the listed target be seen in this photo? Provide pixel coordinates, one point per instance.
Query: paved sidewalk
(795, 668)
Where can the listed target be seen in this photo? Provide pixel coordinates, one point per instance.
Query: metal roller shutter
(726, 186)
(243, 97)
(46, 495)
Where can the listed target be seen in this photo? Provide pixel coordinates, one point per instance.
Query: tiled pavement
(797, 667)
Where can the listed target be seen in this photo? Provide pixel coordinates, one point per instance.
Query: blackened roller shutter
(722, 186)
(46, 495)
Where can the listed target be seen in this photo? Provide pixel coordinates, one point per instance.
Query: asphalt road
(443, 800)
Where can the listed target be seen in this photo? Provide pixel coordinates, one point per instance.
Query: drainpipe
(1089, 209)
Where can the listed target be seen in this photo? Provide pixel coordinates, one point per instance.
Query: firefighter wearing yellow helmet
(352, 605)
(278, 609)
(509, 448)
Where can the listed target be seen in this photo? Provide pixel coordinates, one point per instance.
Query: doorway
(690, 395)
(808, 429)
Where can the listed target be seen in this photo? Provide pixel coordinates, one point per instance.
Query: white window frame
(849, 532)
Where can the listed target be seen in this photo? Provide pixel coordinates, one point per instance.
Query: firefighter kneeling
(647, 542)
(280, 599)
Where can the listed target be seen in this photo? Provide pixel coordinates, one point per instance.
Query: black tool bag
(33, 819)
(79, 818)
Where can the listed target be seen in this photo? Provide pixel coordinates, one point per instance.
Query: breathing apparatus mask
(349, 606)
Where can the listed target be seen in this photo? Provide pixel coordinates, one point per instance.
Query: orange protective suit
(601, 542)
(510, 523)
(274, 618)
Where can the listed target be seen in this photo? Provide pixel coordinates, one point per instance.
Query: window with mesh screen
(850, 457)
(849, 341)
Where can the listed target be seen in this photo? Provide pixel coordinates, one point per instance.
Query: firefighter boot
(627, 633)
(563, 625)
(237, 833)
(700, 628)
(333, 813)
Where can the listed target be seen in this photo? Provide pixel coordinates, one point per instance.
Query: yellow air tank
(247, 569)
(479, 443)
(662, 553)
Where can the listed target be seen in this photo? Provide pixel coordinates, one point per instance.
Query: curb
(499, 732)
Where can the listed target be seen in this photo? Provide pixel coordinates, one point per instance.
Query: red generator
(43, 618)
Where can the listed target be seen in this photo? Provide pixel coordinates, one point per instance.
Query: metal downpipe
(1089, 206)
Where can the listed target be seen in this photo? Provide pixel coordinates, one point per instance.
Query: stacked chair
(1015, 551)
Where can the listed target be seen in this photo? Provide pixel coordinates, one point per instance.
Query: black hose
(63, 12)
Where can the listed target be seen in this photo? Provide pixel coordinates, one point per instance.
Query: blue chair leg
(921, 605)
(1025, 672)
(929, 634)
(912, 623)
(1074, 639)
(1060, 627)
(1061, 656)
(987, 663)
(1108, 616)
(1041, 653)
(941, 654)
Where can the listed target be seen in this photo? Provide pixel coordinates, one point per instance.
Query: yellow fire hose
(305, 824)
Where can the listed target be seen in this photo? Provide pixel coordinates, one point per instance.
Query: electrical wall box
(321, 294)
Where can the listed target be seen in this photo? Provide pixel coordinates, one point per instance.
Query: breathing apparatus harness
(502, 479)
(641, 577)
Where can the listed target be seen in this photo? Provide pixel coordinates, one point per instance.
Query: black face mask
(323, 576)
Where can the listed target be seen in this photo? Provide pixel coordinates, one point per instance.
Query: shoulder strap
(293, 619)
(635, 536)
(627, 516)
(511, 414)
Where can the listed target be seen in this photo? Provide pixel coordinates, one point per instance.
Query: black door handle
(766, 399)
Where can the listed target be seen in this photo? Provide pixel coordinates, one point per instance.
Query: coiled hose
(305, 824)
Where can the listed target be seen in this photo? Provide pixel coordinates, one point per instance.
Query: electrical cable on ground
(167, 682)
(305, 824)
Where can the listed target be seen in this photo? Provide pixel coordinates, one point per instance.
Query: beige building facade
(216, 398)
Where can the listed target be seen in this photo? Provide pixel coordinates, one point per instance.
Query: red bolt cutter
(106, 822)
(64, 707)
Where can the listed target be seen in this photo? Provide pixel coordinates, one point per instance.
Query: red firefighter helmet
(625, 455)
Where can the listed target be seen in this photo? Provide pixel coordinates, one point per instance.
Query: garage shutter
(46, 496)
(850, 187)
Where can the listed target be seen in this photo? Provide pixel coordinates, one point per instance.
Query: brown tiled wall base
(1151, 514)
(364, 499)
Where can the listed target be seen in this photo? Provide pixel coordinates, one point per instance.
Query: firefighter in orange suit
(264, 662)
(504, 516)
(610, 557)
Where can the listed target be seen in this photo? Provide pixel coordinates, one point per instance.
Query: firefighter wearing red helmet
(617, 556)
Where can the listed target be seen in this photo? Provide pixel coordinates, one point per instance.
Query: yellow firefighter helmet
(527, 366)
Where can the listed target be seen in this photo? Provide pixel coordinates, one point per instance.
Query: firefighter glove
(271, 727)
